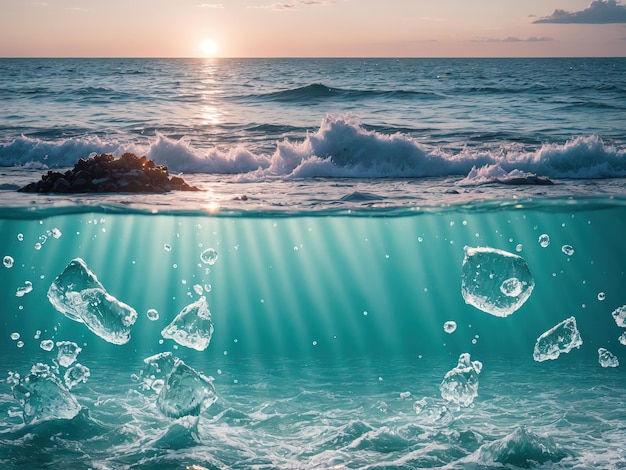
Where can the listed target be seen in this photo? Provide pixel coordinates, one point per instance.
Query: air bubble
(544, 240)
(449, 327)
(152, 314)
(209, 256)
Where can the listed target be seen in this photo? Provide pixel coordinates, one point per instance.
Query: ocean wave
(340, 148)
(319, 91)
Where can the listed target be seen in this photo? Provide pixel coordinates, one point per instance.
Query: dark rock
(105, 173)
(61, 185)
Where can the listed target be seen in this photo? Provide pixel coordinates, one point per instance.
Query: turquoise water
(328, 330)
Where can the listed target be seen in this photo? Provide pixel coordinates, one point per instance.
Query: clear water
(336, 274)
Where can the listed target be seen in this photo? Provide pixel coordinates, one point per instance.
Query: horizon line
(309, 57)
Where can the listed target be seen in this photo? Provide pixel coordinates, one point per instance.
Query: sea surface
(413, 263)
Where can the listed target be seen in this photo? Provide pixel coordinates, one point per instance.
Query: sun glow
(209, 47)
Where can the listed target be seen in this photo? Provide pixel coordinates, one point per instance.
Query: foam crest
(37, 153)
(343, 148)
(180, 156)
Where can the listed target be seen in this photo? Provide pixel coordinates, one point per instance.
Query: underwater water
(330, 343)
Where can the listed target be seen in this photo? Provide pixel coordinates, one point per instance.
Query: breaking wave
(340, 148)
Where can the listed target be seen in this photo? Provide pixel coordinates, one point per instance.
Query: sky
(312, 28)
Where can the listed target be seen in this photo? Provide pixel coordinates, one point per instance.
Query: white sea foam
(340, 147)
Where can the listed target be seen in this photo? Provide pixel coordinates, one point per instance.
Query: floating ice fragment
(568, 250)
(186, 392)
(622, 338)
(619, 315)
(157, 367)
(405, 395)
(544, 240)
(78, 294)
(607, 359)
(42, 396)
(449, 327)
(75, 375)
(8, 262)
(495, 281)
(152, 314)
(460, 385)
(67, 352)
(561, 338)
(47, 345)
(22, 291)
(209, 256)
(192, 327)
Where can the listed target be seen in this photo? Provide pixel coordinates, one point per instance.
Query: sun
(209, 47)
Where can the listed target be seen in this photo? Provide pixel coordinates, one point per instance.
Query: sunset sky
(312, 28)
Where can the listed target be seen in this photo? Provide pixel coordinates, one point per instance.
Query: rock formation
(107, 174)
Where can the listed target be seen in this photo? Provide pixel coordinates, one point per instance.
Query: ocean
(411, 263)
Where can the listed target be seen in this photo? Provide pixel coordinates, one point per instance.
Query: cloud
(598, 12)
(514, 39)
(293, 6)
(283, 6)
(210, 5)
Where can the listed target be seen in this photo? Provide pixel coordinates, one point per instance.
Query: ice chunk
(67, 353)
(561, 338)
(186, 392)
(42, 396)
(47, 344)
(460, 385)
(607, 359)
(75, 375)
(622, 338)
(449, 327)
(619, 315)
(25, 289)
(192, 327)
(156, 368)
(209, 256)
(78, 294)
(495, 281)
